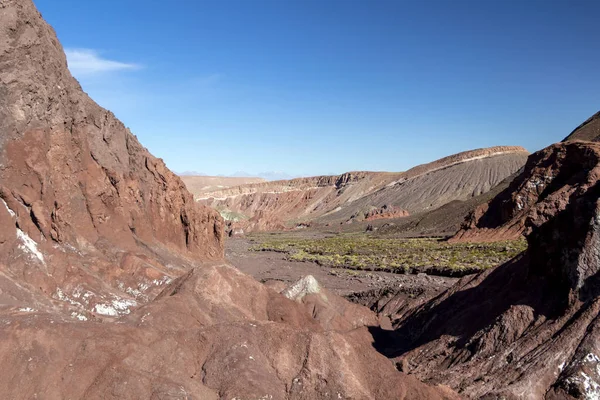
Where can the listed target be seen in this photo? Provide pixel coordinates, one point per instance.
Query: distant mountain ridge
(267, 176)
(352, 196)
(200, 184)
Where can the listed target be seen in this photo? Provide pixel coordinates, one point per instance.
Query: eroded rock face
(527, 329)
(214, 333)
(84, 205)
(385, 212)
(544, 188)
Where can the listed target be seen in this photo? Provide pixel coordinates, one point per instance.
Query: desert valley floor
(271, 266)
(474, 276)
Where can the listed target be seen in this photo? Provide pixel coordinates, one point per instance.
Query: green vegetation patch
(229, 215)
(360, 252)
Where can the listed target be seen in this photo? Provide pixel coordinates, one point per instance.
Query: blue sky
(316, 87)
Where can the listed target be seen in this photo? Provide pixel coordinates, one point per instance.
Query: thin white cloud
(89, 62)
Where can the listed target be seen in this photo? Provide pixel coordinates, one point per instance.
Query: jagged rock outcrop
(385, 212)
(375, 213)
(84, 205)
(527, 329)
(550, 177)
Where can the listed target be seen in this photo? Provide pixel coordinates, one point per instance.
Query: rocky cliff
(527, 329)
(550, 177)
(80, 196)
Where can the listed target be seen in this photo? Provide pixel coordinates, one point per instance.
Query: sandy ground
(266, 265)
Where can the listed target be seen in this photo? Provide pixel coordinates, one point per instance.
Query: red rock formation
(212, 334)
(550, 177)
(385, 212)
(528, 328)
(259, 222)
(81, 196)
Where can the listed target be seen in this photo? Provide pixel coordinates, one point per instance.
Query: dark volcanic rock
(528, 328)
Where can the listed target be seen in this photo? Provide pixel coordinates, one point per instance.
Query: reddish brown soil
(214, 333)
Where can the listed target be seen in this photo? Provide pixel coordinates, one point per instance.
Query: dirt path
(266, 265)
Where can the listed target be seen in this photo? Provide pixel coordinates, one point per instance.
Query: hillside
(527, 328)
(198, 185)
(589, 130)
(443, 221)
(549, 176)
(356, 196)
(85, 208)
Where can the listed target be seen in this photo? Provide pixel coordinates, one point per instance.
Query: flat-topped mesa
(200, 184)
(282, 186)
(327, 200)
(462, 157)
(76, 183)
(340, 181)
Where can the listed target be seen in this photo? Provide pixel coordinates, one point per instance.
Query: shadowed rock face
(83, 204)
(527, 329)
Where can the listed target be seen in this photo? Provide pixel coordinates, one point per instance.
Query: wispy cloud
(89, 62)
